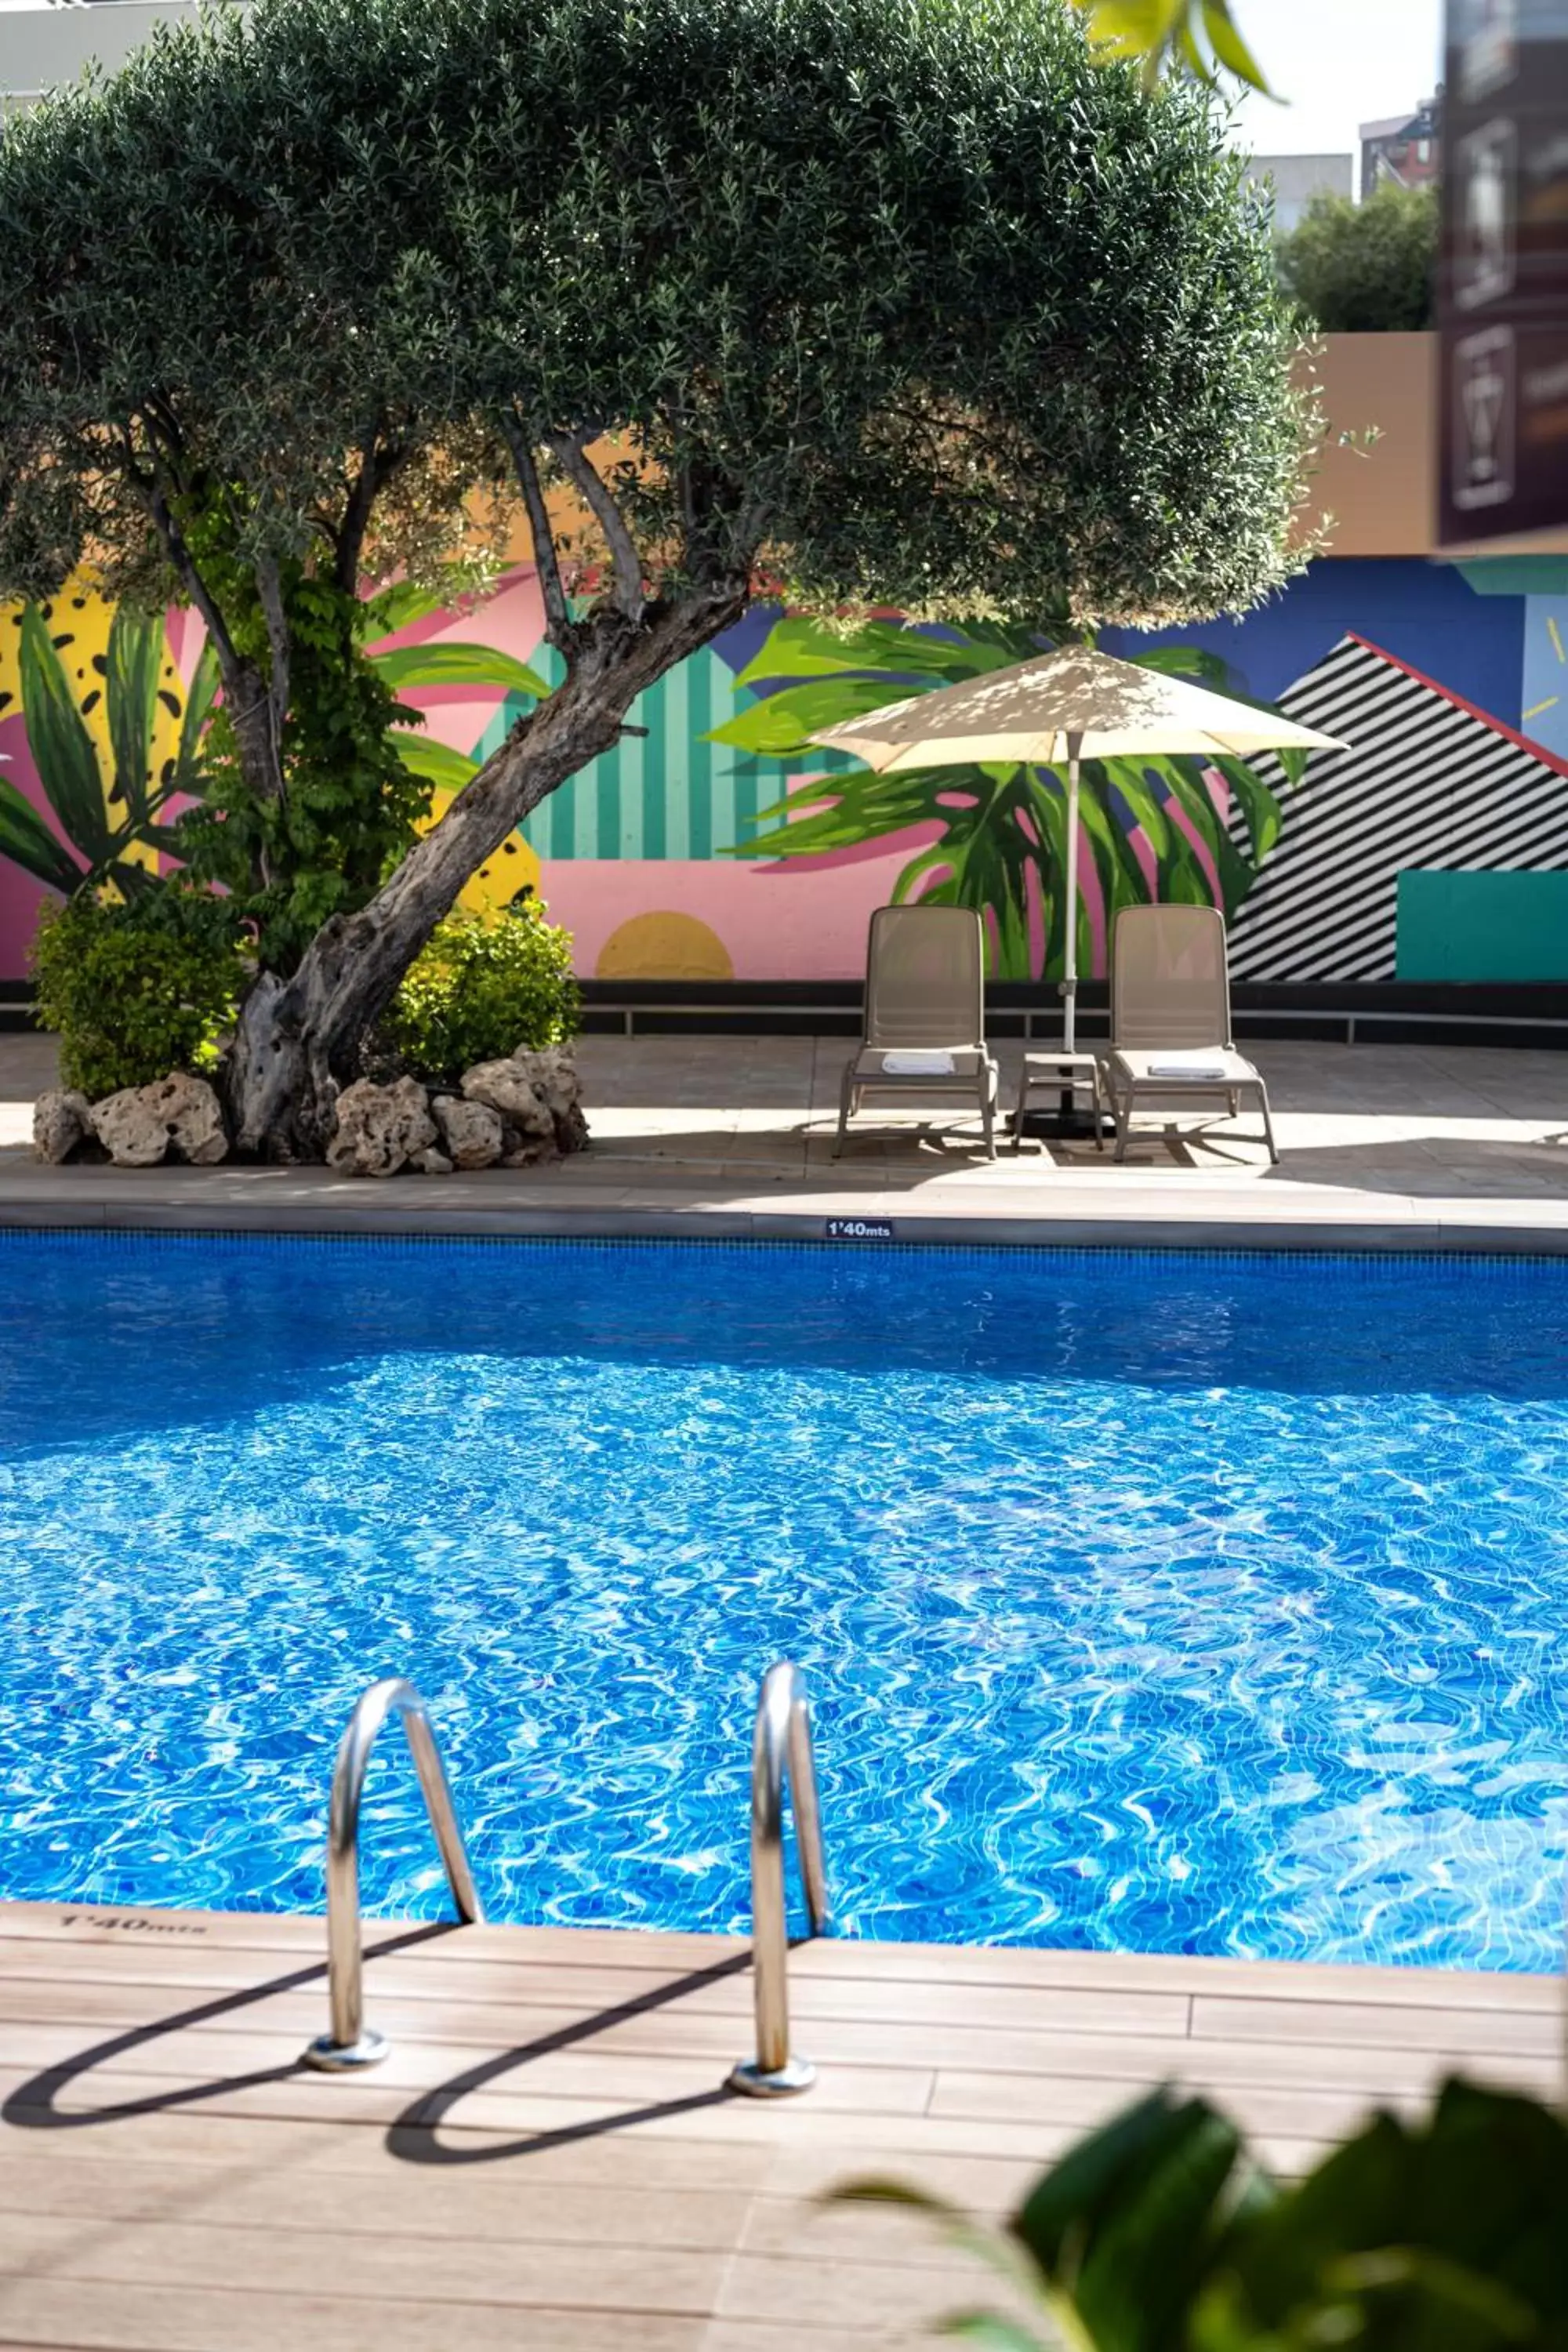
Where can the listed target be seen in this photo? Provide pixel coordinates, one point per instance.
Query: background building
(1292, 181)
(1403, 148)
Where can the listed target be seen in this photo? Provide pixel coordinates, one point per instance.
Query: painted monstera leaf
(1155, 827)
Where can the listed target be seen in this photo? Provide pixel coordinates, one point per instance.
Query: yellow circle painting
(664, 947)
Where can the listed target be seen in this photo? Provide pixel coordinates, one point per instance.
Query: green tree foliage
(137, 987)
(1158, 2233)
(1368, 268)
(482, 991)
(878, 302)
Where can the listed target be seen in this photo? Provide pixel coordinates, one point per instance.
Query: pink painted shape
(770, 931)
(20, 895)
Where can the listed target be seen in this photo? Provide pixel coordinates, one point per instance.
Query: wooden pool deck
(548, 2158)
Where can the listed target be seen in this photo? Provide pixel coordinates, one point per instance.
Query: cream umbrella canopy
(1064, 708)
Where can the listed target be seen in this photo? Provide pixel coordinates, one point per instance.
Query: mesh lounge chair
(925, 1014)
(1170, 1017)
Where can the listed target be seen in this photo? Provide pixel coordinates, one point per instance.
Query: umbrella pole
(1069, 940)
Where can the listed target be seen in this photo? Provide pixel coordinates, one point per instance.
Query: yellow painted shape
(1554, 634)
(1537, 708)
(499, 880)
(664, 945)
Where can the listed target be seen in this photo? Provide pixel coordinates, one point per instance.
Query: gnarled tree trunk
(298, 1041)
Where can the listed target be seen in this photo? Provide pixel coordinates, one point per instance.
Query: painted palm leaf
(443, 662)
(104, 819)
(27, 841)
(62, 748)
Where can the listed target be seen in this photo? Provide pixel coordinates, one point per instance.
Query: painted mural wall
(1436, 848)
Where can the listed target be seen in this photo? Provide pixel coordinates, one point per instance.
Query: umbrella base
(1067, 1123)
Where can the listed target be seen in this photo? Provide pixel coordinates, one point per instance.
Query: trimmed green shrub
(137, 987)
(479, 990)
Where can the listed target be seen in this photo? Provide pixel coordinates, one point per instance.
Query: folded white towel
(918, 1065)
(1187, 1066)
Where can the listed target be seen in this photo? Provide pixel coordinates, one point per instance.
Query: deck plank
(549, 2155)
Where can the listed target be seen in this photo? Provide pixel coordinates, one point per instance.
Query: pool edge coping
(1443, 1227)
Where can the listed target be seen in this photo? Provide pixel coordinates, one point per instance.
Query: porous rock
(432, 1162)
(140, 1125)
(540, 1098)
(130, 1130)
(191, 1116)
(378, 1129)
(508, 1087)
(62, 1123)
(470, 1131)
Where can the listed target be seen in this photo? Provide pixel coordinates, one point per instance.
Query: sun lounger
(1170, 1017)
(925, 1014)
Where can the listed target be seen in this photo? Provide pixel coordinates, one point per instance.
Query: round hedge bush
(136, 987)
(479, 992)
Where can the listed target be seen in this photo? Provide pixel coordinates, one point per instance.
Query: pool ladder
(781, 1749)
(348, 2041)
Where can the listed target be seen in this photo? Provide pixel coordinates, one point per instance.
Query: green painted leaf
(448, 770)
(130, 701)
(783, 725)
(798, 647)
(199, 698)
(62, 748)
(398, 607)
(408, 666)
(1188, 661)
(1258, 806)
(27, 841)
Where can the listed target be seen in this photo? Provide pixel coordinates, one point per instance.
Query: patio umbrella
(1071, 705)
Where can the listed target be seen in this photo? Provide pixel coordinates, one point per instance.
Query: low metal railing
(781, 1743)
(350, 2043)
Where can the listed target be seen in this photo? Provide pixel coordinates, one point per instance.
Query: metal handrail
(350, 2043)
(782, 1741)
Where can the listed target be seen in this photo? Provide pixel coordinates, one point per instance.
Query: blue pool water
(1162, 1603)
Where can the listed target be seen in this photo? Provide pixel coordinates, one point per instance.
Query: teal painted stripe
(584, 794)
(700, 780)
(647, 801)
(564, 820)
(745, 800)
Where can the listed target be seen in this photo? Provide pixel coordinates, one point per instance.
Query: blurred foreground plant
(1160, 2233)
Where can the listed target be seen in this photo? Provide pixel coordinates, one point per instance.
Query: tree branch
(269, 586)
(377, 466)
(153, 487)
(570, 456)
(559, 627)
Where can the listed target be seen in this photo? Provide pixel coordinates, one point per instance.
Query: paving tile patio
(1384, 1143)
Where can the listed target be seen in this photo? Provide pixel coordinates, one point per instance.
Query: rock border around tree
(524, 1111)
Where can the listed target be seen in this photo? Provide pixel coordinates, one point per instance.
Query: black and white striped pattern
(1427, 783)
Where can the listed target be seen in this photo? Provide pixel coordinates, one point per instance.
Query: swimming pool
(1172, 1602)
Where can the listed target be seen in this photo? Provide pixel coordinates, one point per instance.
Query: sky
(1337, 63)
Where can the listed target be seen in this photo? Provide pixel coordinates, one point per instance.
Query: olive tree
(857, 302)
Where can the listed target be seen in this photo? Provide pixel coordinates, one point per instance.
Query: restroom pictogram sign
(1503, 272)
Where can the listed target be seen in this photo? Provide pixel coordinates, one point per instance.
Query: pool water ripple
(1172, 1603)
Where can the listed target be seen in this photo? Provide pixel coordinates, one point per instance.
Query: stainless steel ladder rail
(782, 1741)
(350, 2043)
